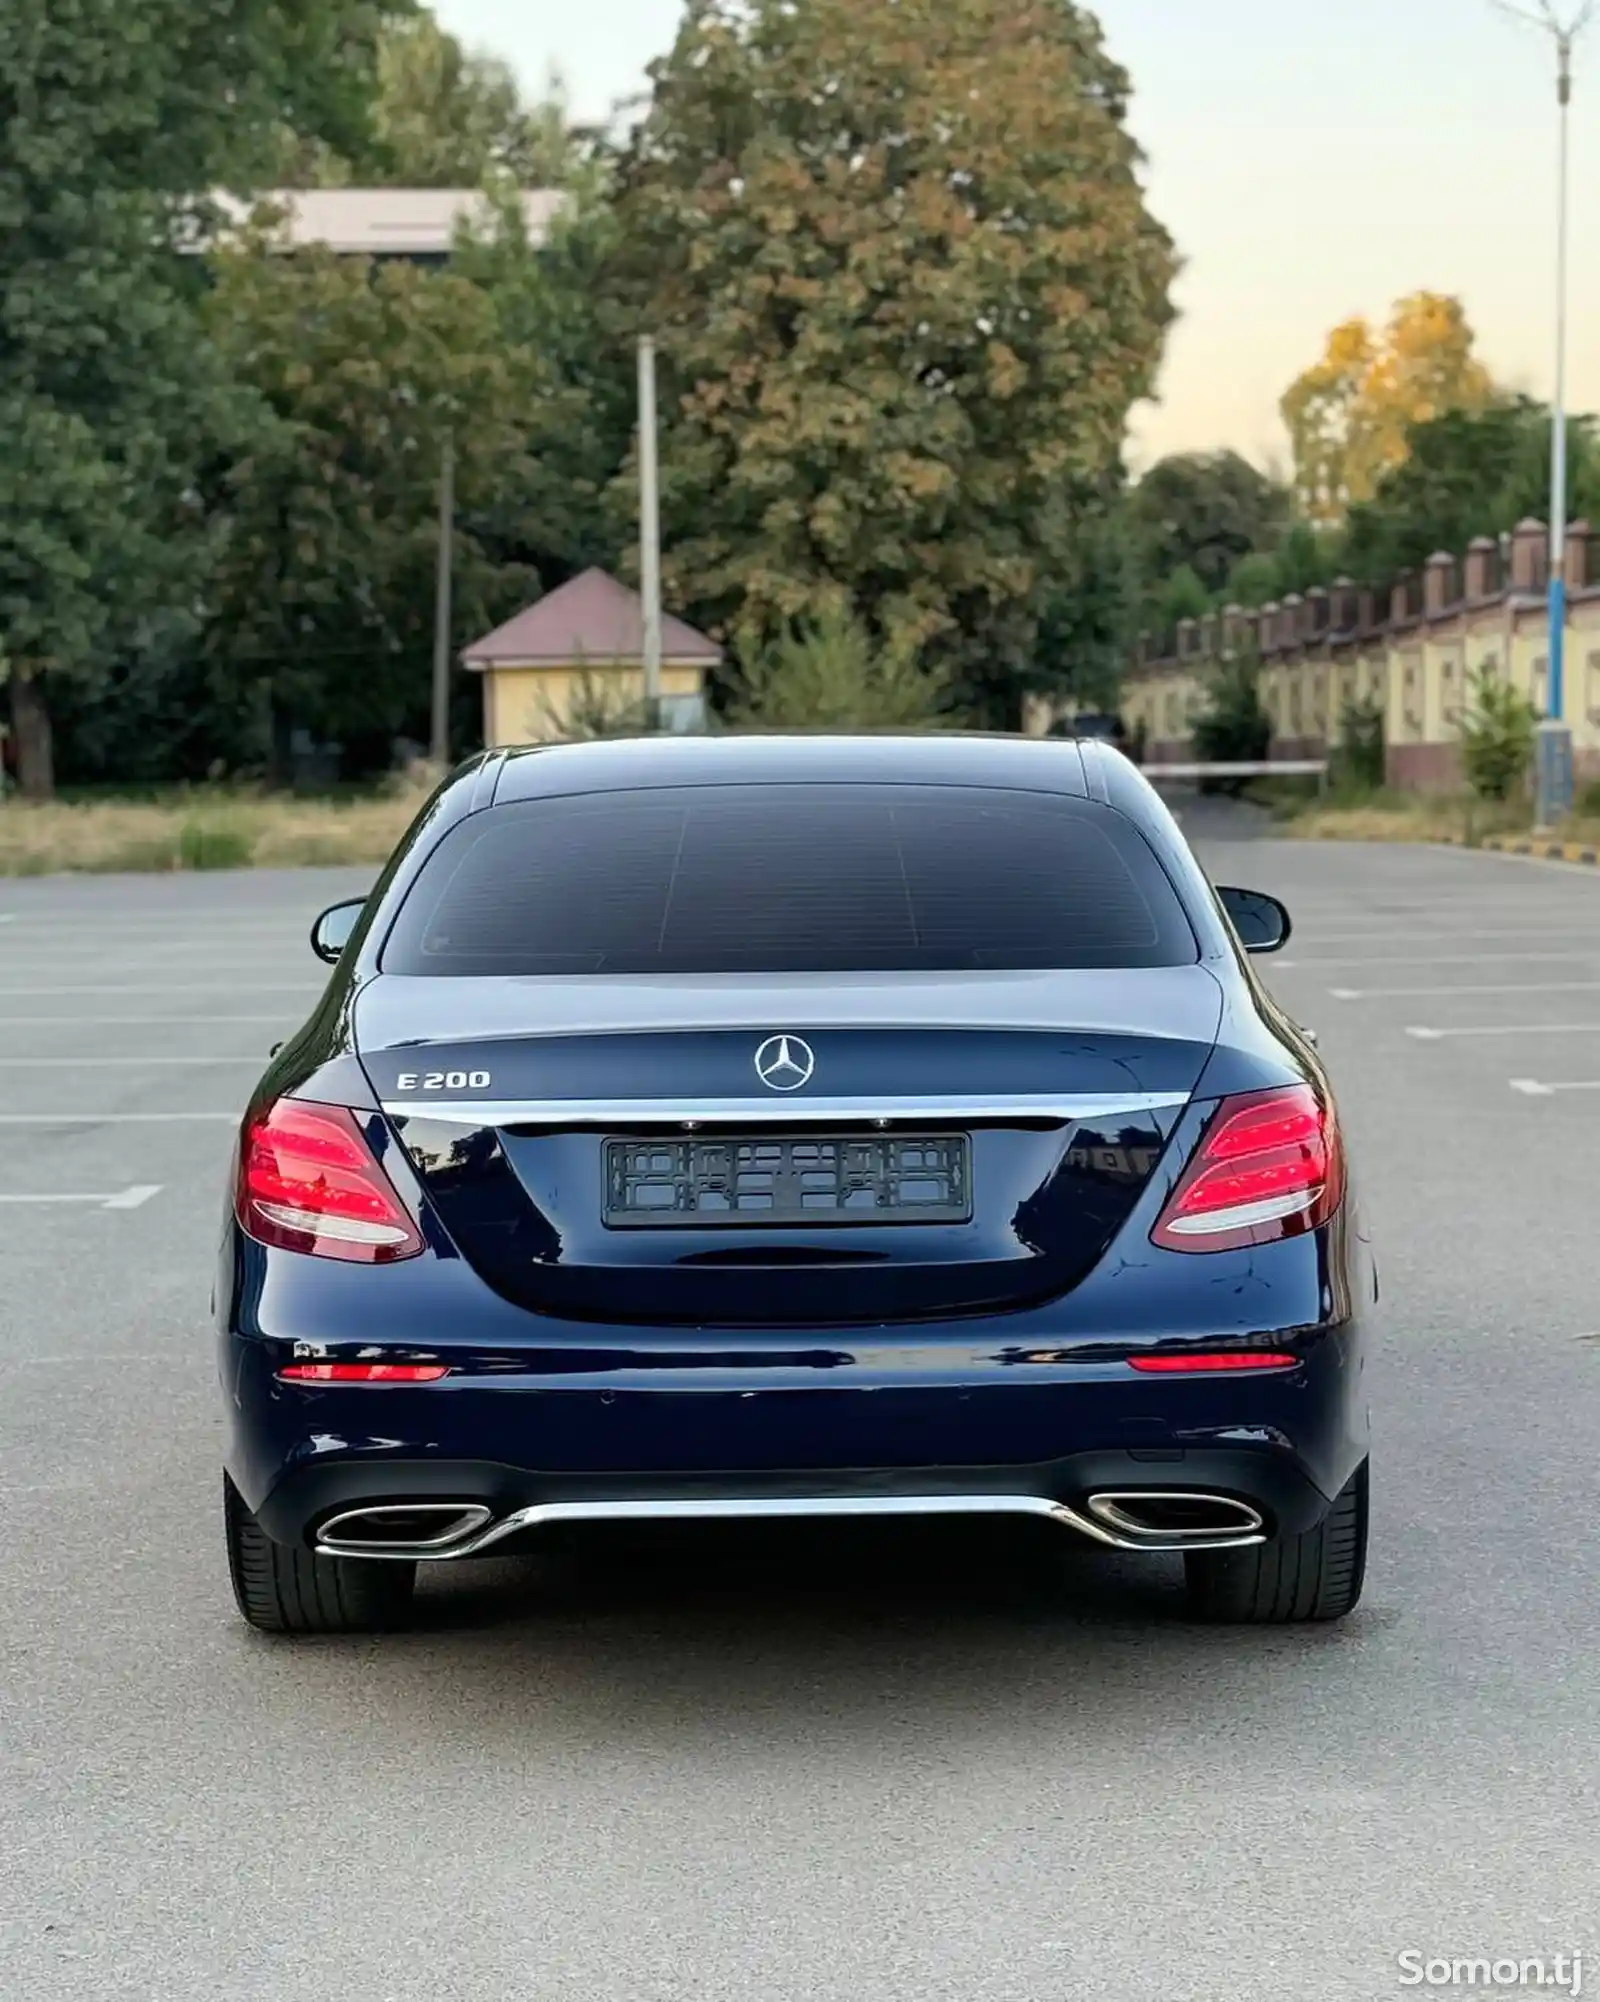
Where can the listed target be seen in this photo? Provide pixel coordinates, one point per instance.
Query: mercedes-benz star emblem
(784, 1063)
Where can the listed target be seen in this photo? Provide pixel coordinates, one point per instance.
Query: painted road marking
(177, 987)
(1513, 987)
(1531, 1087)
(1435, 958)
(105, 1118)
(1509, 1029)
(116, 1063)
(140, 1021)
(125, 1199)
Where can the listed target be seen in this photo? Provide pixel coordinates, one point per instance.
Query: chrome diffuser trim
(733, 1508)
(463, 1521)
(1117, 1511)
(769, 1109)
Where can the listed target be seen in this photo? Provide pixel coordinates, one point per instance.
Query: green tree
(1089, 615)
(829, 673)
(906, 290)
(1465, 474)
(1235, 728)
(444, 116)
(1204, 511)
(1497, 736)
(322, 612)
(117, 116)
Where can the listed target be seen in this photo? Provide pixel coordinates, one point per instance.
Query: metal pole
(649, 533)
(440, 747)
(1558, 450)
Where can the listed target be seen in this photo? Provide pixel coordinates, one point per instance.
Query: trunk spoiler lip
(1059, 1107)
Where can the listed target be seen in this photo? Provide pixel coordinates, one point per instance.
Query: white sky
(1313, 159)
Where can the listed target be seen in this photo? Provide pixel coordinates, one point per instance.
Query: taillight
(1208, 1365)
(362, 1372)
(309, 1182)
(1269, 1165)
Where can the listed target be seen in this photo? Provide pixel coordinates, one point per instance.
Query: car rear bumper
(506, 1510)
(1042, 1407)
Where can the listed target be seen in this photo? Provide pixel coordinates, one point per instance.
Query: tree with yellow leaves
(1348, 415)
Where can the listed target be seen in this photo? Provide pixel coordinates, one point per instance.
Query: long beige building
(1411, 650)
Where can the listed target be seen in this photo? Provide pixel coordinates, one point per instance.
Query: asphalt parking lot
(811, 1771)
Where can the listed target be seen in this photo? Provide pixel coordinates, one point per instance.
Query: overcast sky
(1313, 158)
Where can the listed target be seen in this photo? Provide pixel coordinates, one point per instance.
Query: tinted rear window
(790, 879)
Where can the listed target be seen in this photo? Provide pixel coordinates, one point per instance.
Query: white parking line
(125, 1199)
(1509, 1029)
(106, 1118)
(116, 1063)
(176, 987)
(1439, 958)
(1513, 987)
(1531, 1087)
(139, 1021)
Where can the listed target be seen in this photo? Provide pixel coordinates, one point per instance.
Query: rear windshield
(789, 879)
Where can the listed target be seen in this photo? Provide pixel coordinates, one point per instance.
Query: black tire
(1314, 1576)
(282, 1589)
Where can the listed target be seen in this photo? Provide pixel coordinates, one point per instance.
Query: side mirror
(1261, 921)
(331, 932)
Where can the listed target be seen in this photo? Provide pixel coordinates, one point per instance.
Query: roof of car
(1033, 764)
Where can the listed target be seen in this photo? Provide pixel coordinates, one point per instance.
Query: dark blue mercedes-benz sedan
(773, 1127)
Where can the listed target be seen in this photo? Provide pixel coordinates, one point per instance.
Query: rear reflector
(362, 1372)
(1179, 1365)
(309, 1182)
(1269, 1165)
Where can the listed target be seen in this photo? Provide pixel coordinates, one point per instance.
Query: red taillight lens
(309, 1182)
(362, 1372)
(1269, 1165)
(1181, 1365)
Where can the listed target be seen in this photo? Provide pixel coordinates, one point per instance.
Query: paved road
(935, 1769)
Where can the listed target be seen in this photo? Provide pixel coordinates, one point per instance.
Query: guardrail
(1291, 768)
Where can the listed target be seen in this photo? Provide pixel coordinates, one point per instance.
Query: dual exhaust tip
(1150, 1519)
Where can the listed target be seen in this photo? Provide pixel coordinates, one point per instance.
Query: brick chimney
(1438, 583)
(1483, 563)
(1529, 540)
(1580, 557)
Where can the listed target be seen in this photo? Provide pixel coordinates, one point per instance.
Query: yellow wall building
(576, 658)
(1411, 651)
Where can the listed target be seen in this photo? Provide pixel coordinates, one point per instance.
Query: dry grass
(205, 829)
(1446, 817)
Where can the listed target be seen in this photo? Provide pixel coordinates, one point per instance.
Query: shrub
(1497, 736)
(1359, 763)
(212, 844)
(830, 674)
(1235, 729)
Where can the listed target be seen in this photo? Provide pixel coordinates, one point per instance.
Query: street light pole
(1553, 772)
(439, 748)
(649, 533)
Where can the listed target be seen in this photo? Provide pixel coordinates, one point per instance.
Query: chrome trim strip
(465, 1519)
(774, 1108)
(1110, 1509)
(694, 1508)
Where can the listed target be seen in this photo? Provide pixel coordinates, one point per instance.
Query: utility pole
(649, 533)
(439, 748)
(1553, 774)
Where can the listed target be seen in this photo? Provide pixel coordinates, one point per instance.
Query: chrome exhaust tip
(1177, 1520)
(401, 1529)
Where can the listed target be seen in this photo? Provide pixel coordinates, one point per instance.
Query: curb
(1546, 851)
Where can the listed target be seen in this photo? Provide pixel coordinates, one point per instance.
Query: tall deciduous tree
(906, 289)
(1349, 415)
(1204, 511)
(116, 117)
(323, 606)
(445, 116)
